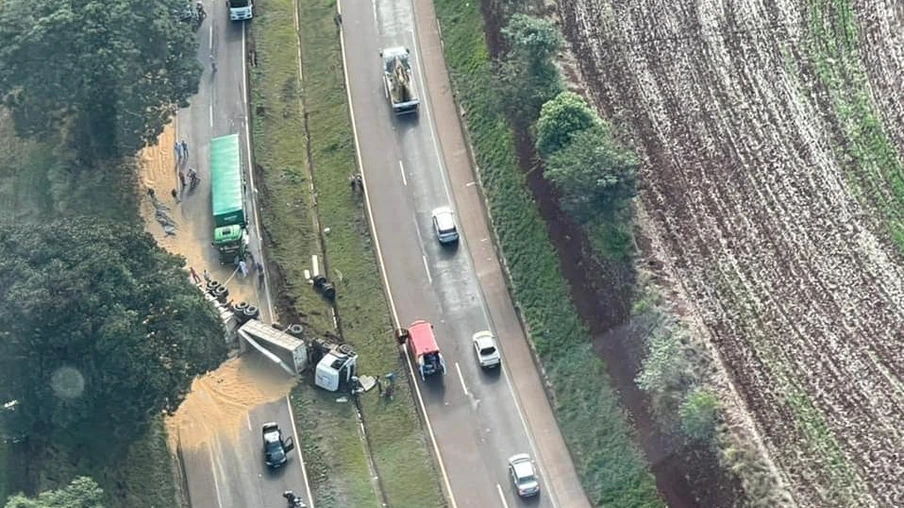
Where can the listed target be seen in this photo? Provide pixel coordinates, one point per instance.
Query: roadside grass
(335, 455)
(36, 185)
(396, 437)
(873, 164)
(600, 440)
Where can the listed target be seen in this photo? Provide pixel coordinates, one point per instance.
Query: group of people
(186, 178)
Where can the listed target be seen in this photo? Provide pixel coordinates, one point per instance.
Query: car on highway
(486, 349)
(276, 449)
(444, 225)
(524, 477)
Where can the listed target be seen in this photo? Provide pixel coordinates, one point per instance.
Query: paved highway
(229, 472)
(475, 416)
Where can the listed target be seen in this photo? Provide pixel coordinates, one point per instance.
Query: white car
(444, 225)
(486, 350)
(521, 467)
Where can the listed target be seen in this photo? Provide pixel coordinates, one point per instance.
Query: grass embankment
(336, 461)
(36, 184)
(602, 444)
(868, 153)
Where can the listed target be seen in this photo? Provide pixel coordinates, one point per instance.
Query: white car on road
(486, 349)
(521, 467)
(444, 225)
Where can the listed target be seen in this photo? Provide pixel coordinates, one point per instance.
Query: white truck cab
(240, 10)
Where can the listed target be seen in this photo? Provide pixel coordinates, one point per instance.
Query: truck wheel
(213, 285)
(252, 312)
(295, 330)
(221, 293)
(329, 291)
(241, 306)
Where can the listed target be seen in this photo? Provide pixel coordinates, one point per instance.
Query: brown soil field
(774, 228)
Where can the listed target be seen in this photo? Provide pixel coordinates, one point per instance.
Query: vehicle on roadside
(397, 82)
(230, 236)
(276, 449)
(524, 475)
(444, 225)
(240, 10)
(486, 349)
(422, 346)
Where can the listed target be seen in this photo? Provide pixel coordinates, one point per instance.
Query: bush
(699, 414)
(593, 174)
(561, 119)
(528, 73)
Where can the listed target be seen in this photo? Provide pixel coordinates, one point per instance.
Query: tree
(560, 119)
(699, 414)
(83, 492)
(528, 72)
(106, 75)
(100, 330)
(594, 175)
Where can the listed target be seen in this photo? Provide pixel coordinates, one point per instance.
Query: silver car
(486, 349)
(444, 225)
(521, 467)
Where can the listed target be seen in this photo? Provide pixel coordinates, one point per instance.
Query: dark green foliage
(699, 414)
(561, 119)
(100, 331)
(528, 73)
(83, 492)
(107, 75)
(595, 176)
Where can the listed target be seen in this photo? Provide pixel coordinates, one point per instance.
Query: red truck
(422, 346)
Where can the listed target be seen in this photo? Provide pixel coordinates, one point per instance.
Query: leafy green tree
(100, 330)
(529, 75)
(594, 175)
(107, 75)
(699, 414)
(83, 492)
(560, 119)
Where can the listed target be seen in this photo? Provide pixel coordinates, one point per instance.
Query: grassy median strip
(601, 442)
(396, 437)
(335, 456)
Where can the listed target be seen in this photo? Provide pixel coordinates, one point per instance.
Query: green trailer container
(229, 236)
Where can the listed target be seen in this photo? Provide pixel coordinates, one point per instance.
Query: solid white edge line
(501, 495)
(257, 221)
(402, 170)
(248, 420)
(213, 469)
(427, 269)
(450, 198)
(304, 472)
(462, 379)
(210, 112)
(395, 315)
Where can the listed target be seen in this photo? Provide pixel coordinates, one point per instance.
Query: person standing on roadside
(194, 275)
(207, 275)
(243, 267)
(184, 150)
(178, 149)
(182, 178)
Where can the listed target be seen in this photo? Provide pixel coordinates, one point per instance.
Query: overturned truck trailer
(335, 365)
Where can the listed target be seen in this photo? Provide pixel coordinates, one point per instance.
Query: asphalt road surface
(474, 415)
(229, 472)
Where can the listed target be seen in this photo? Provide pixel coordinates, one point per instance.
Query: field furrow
(772, 162)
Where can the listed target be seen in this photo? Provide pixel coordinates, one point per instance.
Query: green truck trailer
(229, 235)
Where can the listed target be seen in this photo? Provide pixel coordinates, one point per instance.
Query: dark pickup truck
(275, 447)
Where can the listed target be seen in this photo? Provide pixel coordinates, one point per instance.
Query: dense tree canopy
(560, 119)
(594, 175)
(81, 493)
(107, 74)
(100, 329)
(529, 75)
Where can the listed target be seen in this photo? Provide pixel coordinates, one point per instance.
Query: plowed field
(771, 133)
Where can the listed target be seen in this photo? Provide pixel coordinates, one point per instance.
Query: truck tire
(221, 293)
(241, 306)
(211, 285)
(295, 330)
(252, 312)
(329, 291)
